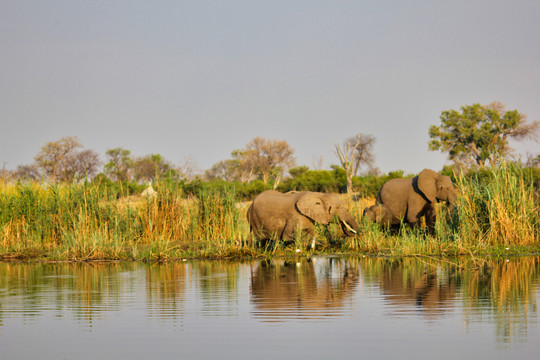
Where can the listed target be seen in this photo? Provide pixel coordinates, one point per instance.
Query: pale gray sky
(198, 79)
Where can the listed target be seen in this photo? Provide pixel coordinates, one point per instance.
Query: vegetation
(58, 208)
(498, 212)
(355, 152)
(479, 134)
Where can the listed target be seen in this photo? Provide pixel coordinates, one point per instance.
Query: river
(318, 308)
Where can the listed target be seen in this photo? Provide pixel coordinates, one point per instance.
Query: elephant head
(379, 214)
(322, 208)
(437, 187)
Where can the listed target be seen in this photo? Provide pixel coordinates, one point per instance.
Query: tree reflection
(86, 290)
(504, 290)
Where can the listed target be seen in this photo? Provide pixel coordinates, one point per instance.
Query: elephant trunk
(452, 201)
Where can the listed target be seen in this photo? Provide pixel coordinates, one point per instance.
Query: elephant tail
(249, 216)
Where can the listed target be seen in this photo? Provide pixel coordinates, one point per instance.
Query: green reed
(496, 213)
(502, 209)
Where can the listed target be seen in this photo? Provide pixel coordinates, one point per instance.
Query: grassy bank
(497, 213)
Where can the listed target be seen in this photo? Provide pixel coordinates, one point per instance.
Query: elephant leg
(430, 220)
(288, 232)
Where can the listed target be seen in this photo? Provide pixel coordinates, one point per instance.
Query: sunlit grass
(497, 215)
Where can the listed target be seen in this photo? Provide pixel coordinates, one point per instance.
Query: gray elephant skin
(408, 200)
(277, 216)
(380, 214)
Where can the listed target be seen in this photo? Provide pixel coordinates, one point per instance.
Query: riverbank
(495, 215)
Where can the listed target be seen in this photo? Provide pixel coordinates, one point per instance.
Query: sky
(195, 80)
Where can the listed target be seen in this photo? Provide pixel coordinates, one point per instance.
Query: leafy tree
(355, 152)
(52, 156)
(119, 166)
(228, 170)
(480, 134)
(63, 161)
(152, 167)
(298, 171)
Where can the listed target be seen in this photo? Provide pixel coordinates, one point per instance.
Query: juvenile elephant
(410, 199)
(380, 214)
(274, 215)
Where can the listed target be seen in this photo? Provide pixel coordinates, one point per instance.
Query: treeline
(301, 179)
(259, 166)
(474, 138)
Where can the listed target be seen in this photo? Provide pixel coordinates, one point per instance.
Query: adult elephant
(274, 215)
(408, 200)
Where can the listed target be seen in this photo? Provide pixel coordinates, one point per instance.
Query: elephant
(380, 214)
(302, 288)
(410, 199)
(276, 216)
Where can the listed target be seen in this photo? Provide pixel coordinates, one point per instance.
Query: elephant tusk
(349, 227)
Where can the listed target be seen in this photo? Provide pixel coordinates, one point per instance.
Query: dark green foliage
(480, 134)
(335, 181)
(117, 189)
(242, 190)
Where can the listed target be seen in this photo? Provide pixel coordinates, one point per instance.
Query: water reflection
(498, 292)
(500, 289)
(316, 288)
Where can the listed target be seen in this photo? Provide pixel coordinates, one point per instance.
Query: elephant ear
(313, 207)
(427, 183)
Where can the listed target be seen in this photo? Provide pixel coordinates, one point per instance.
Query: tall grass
(83, 222)
(501, 209)
(495, 211)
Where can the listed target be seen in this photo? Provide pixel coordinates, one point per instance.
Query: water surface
(321, 308)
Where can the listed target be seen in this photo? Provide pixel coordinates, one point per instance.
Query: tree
(355, 152)
(52, 156)
(27, 172)
(79, 165)
(267, 158)
(120, 164)
(480, 134)
(228, 170)
(152, 167)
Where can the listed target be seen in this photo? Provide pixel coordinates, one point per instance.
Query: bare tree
(244, 166)
(355, 152)
(53, 155)
(268, 158)
(27, 172)
(317, 162)
(80, 165)
(189, 168)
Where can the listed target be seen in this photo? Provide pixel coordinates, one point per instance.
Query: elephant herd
(276, 216)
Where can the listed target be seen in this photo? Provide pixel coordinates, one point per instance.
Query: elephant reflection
(418, 285)
(312, 288)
